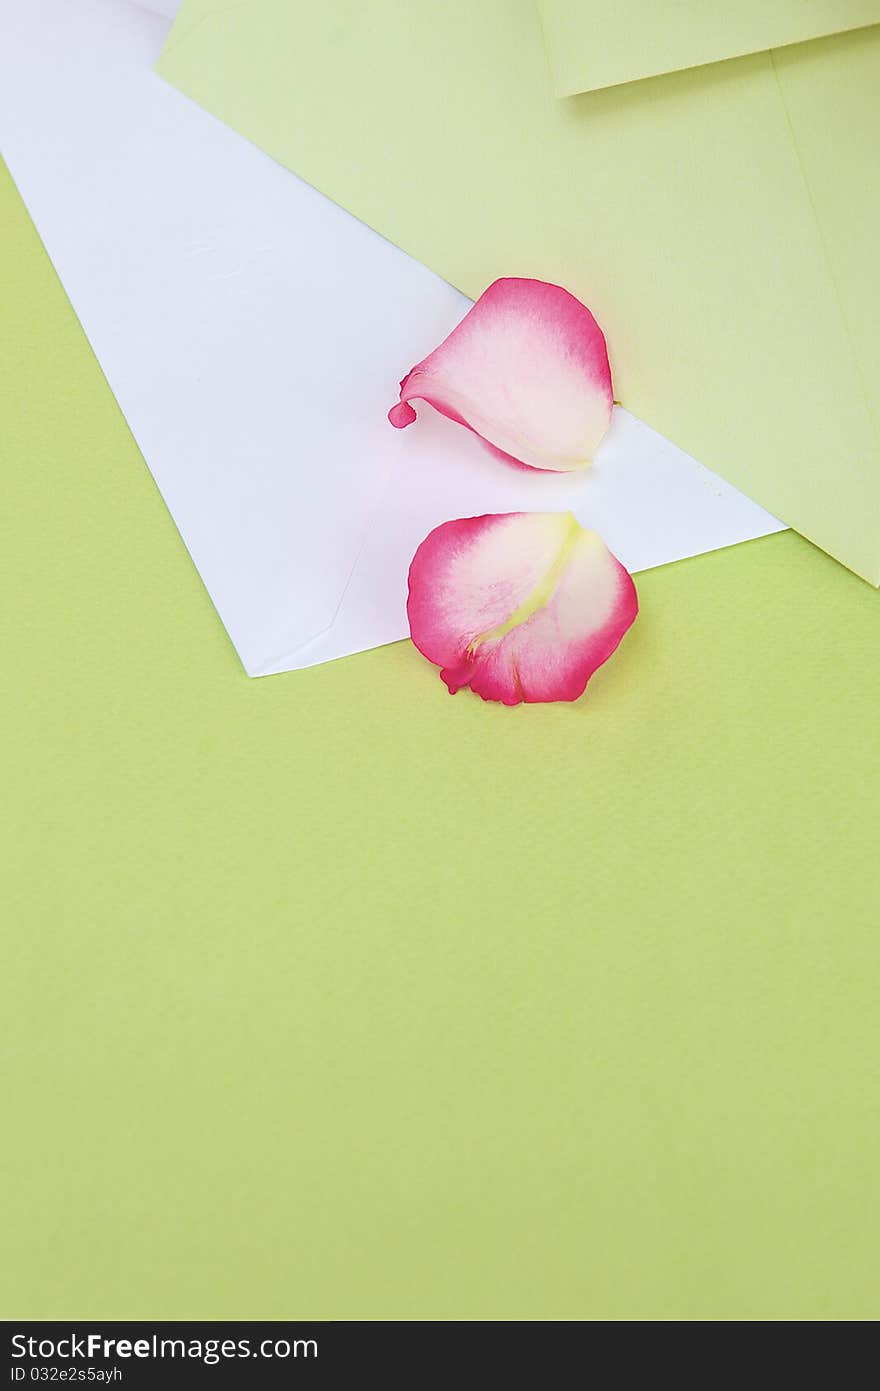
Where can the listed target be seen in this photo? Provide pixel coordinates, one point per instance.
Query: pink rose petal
(527, 370)
(524, 606)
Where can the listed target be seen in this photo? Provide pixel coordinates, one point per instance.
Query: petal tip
(401, 415)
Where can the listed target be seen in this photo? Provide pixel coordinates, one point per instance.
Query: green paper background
(330, 995)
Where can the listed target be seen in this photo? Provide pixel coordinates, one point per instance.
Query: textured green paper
(733, 275)
(593, 44)
(329, 994)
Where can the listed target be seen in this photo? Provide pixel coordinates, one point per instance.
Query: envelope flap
(592, 44)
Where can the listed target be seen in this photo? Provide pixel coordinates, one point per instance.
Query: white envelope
(253, 334)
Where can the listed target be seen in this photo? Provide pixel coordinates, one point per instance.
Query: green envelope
(721, 221)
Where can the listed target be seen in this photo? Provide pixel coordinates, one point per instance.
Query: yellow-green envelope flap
(678, 208)
(592, 44)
